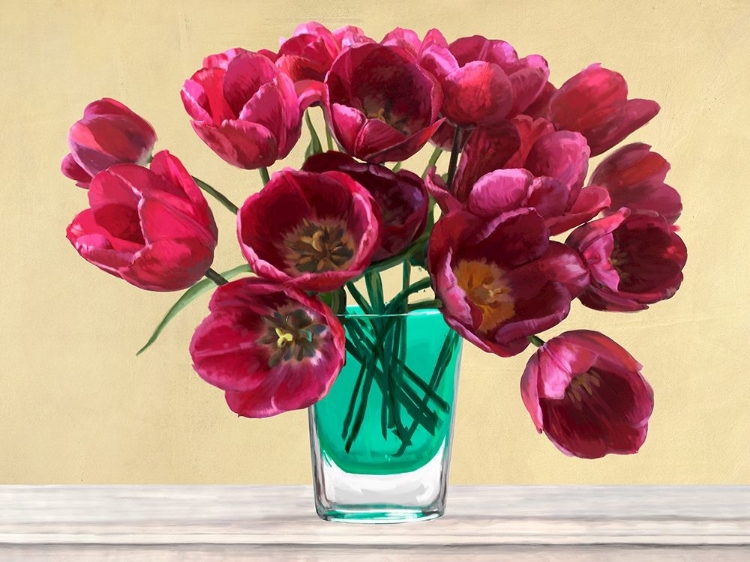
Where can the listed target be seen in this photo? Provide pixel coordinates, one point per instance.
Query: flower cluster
(517, 177)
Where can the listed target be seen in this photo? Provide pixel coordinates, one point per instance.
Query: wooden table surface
(499, 523)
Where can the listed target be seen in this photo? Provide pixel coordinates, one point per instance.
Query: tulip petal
(169, 265)
(245, 75)
(562, 155)
(240, 143)
(71, 169)
(498, 192)
(478, 93)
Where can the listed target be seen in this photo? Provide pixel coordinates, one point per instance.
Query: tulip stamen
(318, 247)
(581, 385)
(291, 336)
(486, 286)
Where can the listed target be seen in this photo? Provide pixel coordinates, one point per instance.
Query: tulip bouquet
(319, 236)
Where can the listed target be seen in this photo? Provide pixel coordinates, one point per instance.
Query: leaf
(187, 297)
(314, 147)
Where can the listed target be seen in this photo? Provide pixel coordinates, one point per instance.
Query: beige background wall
(76, 405)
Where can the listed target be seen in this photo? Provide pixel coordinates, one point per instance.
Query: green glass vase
(381, 438)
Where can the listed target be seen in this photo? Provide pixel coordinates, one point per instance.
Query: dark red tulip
(635, 259)
(502, 280)
(401, 198)
(380, 104)
(108, 134)
(270, 348)
(587, 394)
(244, 108)
(634, 177)
(595, 103)
(483, 81)
(150, 227)
(324, 232)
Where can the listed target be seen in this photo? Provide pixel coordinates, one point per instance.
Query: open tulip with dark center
(401, 198)
(635, 259)
(587, 394)
(380, 104)
(270, 348)
(150, 227)
(325, 229)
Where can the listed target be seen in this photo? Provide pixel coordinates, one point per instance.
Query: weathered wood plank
(283, 518)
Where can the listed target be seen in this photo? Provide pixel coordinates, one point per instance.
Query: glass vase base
(377, 514)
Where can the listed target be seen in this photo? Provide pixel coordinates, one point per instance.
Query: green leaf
(187, 297)
(397, 167)
(314, 147)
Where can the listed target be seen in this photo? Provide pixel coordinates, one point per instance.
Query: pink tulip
(634, 177)
(150, 227)
(502, 280)
(401, 198)
(635, 259)
(380, 104)
(595, 103)
(244, 108)
(270, 348)
(108, 134)
(586, 393)
(483, 81)
(324, 233)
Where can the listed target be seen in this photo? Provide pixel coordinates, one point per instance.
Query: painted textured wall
(77, 406)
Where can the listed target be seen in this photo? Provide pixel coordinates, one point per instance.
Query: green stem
(216, 277)
(264, 175)
(433, 160)
(398, 301)
(434, 303)
(454, 158)
(537, 341)
(220, 197)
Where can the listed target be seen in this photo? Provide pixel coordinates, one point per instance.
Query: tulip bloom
(586, 393)
(634, 177)
(380, 104)
(244, 108)
(521, 163)
(325, 230)
(635, 259)
(308, 55)
(150, 227)
(595, 103)
(108, 134)
(483, 81)
(270, 348)
(401, 198)
(502, 280)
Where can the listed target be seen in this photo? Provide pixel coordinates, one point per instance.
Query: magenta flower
(108, 134)
(634, 177)
(150, 227)
(244, 108)
(483, 81)
(521, 163)
(308, 55)
(325, 229)
(635, 259)
(401, 198)
(502, 280)
(595, 103)
(586, 393)
(380, 104)
(270, 348)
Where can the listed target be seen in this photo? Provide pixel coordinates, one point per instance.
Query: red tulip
(634, 177)
(270, 348)
(108, 134)
(595, 103)
(635, 259)
(502, 280)
(380, 104)
(324, 232)
(152, 228)
(401, 198)
(483, 81)
(587, 394)
(308, 55)
(244, 108)
(521, 163)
